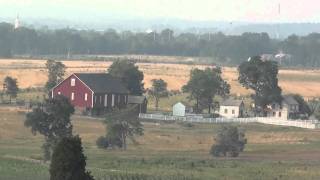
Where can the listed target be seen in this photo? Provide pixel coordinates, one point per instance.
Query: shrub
(229, 141)
(102, 142)
(105, 142)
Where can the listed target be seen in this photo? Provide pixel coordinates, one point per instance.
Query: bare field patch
(32, 73)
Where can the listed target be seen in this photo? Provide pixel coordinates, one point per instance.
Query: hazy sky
(220, 10)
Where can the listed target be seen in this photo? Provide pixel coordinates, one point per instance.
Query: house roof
(289, 100)
(102, 83)
(231, 102)
(136, 99)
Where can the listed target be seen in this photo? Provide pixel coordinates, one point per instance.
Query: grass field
(31, 73)
(167, 150)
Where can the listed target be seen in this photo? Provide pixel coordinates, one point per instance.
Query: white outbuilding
(231, 108)
(179, 109)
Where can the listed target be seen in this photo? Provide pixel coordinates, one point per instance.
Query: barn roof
(290, 100)
(102, 83)
(136, 99)
(231, 102)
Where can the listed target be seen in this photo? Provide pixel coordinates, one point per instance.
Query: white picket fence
(309, 124)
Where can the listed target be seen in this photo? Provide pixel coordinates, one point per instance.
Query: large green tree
(158, 90)
(261, 77)
(68, 161)
(52, 120)
(56, 71)
(204, 85)
(130, 75)
(11, 87)
(121, 125)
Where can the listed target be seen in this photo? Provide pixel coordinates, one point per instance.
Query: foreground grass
(168, 150)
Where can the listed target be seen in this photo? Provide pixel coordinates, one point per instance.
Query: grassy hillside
(168, 150)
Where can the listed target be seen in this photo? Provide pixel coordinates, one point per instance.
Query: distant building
(140, 101)
(231, 108)
(267, 57)
(288, 107)
(17, 22)
(93, 91)
(180, 109)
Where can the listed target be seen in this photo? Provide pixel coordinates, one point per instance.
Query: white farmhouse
(289, 106)
(231, 108)
(179, 109)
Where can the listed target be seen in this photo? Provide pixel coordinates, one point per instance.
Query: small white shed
(179, 109)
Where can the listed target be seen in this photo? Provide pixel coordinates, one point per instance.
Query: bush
(105, 142)
(102, 142)
(229, 141)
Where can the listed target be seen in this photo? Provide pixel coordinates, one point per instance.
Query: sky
(196, 10)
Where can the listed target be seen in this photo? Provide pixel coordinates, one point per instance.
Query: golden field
(32, 73)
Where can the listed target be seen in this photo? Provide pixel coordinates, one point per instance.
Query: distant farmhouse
(231, 108)
(98, 92)
(286, 110)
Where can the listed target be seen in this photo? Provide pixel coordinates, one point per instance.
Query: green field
(167, 151)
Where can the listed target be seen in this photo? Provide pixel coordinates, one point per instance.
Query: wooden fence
(309, 124)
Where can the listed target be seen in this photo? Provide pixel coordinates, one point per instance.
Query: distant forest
(230, 49)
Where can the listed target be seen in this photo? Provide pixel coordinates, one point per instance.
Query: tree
(68, 161)
(11, 87)
(228, 140)
(303, 105)
(158, 90)
(56, 71)
(123, 124)
(313, 105)
(130, 75)
(204, 85)
(261, 76)
(52, 120)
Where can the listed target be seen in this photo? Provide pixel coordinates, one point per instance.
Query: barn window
(226, 111)
(59, 92)
(86, 97)
(112, 102)
(73, 82)
(105, 100)
(233, 112)
(72, 96)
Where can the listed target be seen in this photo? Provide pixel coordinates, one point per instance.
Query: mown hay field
(167, 150)
(32, 73)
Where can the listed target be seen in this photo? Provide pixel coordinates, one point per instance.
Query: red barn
(93, 91)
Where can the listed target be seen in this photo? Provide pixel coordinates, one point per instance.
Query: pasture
(167, 151)
(32, 73)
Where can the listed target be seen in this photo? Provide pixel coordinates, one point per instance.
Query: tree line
(230, 49)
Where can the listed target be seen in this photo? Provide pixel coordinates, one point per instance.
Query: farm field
(31, 73)
(172, 149)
